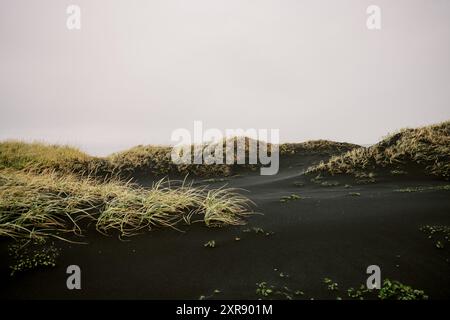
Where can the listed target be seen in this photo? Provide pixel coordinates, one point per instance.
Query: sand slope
(327, 233)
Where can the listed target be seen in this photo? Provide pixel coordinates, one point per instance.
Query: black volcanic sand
(328, 233)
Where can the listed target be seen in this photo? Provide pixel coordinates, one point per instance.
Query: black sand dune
(333, 231)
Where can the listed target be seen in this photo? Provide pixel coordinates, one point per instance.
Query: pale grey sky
(139, 69)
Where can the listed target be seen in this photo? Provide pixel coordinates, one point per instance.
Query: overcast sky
(139, 69)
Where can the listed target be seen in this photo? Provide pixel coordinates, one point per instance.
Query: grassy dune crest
(39, 157)
(149, 159)
(157, 159)
(426, 148)
(316, 146)
(49, 204)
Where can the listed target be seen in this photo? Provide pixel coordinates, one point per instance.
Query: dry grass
(316, 146)
(427, 148)
(153, 160)
(157, 160)
(36, 206)
(39, 157)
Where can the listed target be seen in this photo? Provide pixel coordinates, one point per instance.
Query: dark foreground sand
(329, 233)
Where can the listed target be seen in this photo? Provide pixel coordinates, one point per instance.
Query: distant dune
(425, 149)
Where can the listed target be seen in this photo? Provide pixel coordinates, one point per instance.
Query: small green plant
(214, 293)
(390, 290)
(210, 244)
(437, 229)
(332, 286)
(439, 245)
(357, 293)
(299, 293)
(258, 230)
(398, 172)
(365, 177)
(329, 183)
(395, 290)
(28, 255)
(441, 234)
(292, 197)
(263, 290)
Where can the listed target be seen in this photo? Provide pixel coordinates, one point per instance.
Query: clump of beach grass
(426, 148)
(49, 204)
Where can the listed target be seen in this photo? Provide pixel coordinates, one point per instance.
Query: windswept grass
(48, 204)
(220, 206)
(426, 148)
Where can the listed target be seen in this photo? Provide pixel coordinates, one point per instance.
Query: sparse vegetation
(291, 197)
(422, 188)
(440, 234)
(390, 290)
(357, 293)
(265, 290)
(331, 285)
(427, 148)
(399, 172)
(210, 244)
(364, 177)
(320, 180)
(214, 180)
(212, 295)
(395, 290)
(258, 230)
(329, 183)
(262, 289)
(30, 254)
